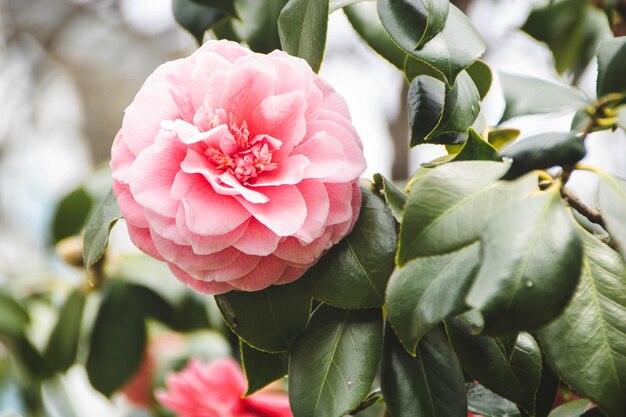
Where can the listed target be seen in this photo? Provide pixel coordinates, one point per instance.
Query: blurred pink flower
(238, 169)
(215, 390)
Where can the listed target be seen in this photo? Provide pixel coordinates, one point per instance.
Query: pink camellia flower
(238, 169)
(216, 390)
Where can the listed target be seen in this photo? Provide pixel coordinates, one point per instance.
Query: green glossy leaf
(227, 6)
(261, 368)
(544, 151)
(29, 358)
(365, 21)
(485, 359)
(71, 214)
(611, 66)
(428, 290)
(117, 340)
(333, 362)
(527, 95)
(395, 198)
(489, 404)
(572, 30)
(269, 319)
(531, 262)
(480, 73)
(151, 304)
(413, 67)
(339, 4)
(586, 344)
(498, 138)
(412, 23)
(195, 18)
(427, 385)
(13, 317)
(60, 353)
(354, 273)
(455, 48)
(466, 193)
(477, 149)
(547, 391)
(612, 204)
(302, 26)
(462, 105)
(258, 23)
(425, 101)
(97, 230)
(571, 409)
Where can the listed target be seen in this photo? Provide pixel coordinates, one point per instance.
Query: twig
(591, 214)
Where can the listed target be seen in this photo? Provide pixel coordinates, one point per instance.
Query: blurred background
(68, 68)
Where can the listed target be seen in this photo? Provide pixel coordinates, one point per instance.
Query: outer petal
(142, 239)
(340, 197)
(269, 269)
(318, 205)
(298, 254)
(185, 258)
(284, 213)
(239, 268)
(269, 405)
(257, 240)
(327, 158)
(133, 213)
(205, 287)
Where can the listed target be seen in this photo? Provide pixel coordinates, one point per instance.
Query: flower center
(248, 158)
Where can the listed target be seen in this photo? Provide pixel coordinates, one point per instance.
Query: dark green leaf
(71, 214)
(302, 26)
(413, 67)
(60, 353)
(489, 404)
(531, 262)
(151, 304)
(13, 317)
(548, 390)
(227, 6)
(366, 23)
(485, 359)
(426, 100)
(458, 193)
(455, 48)
(354, 273)
(428, 290)
(526, 95)
(333, 362)
(258, 24)
(571, 409)
(371, 399)
(427, 385)
(586, 344)
(261, 368)
(544, 151)
(611, 66)
(117, 340)
(480, 73)
(196, 18)
(572, 30)
(30, 359)
(462, 105)
(612, 202)
(477, 149)
(498, 138)
(412, 23)
(395, 198)
(97, 230)
(270, 319)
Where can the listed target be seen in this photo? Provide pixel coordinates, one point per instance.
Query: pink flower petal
(241, 267)
(246, 87)
(205, 287)
(133, 213)
(257, 240)
(290, 274)
(268, 405)
(318, 205)
(340, 198)
(284, 213)
(289, 171)
(299, 254)
(332, 100)
(142, 120)
(186, 259)
(282, 117)
(208, 213)
(151, 178)
(269, 269)
(205, 245)
(203, 70)
(142, 239)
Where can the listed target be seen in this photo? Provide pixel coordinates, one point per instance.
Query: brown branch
(591, 214)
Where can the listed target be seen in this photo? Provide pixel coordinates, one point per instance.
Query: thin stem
(591, 214)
